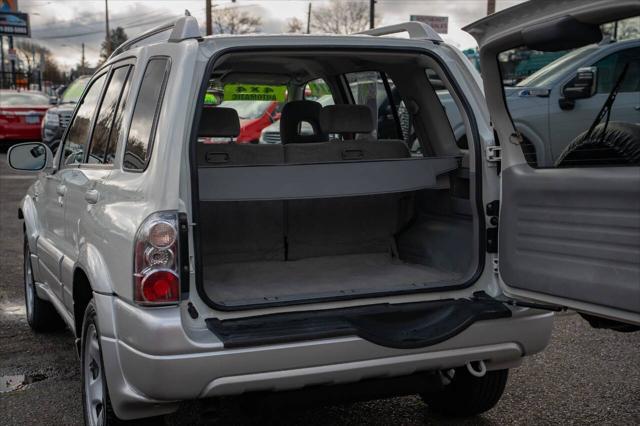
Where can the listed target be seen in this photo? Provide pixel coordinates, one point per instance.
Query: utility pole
(82, 64)
(208, 14)
(372, 13)
(13, 62)
(106, 21)
(1, 62)
(491, 7)
(309, 19)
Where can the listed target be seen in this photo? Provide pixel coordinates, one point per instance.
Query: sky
(63, 25)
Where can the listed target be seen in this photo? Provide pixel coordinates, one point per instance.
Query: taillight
(156, 264)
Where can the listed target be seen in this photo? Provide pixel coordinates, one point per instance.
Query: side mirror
(53, 100)
(30, 157)
(583, 84)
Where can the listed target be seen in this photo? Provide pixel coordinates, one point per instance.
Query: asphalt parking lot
(586, 376)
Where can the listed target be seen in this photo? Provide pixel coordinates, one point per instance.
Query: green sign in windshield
(254, 92)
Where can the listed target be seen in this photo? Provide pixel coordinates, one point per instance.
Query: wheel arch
(82, 295)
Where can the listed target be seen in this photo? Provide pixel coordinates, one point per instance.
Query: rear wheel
(41, 315)
(96, 404)
(468, 395)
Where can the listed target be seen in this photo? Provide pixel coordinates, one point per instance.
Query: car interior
(343, 210)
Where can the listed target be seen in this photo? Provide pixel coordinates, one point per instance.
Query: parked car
(546, 118)
(57, 117)
(254, 117)
(351, 266)
(20, 115)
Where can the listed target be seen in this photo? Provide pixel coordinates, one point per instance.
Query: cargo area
(344, 209)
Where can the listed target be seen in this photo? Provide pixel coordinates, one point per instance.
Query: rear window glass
(106, 115)
(9, 99)
(143, 122)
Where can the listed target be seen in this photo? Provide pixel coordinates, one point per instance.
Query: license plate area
(32, 119)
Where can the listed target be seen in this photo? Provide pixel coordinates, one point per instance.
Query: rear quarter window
(145, 115)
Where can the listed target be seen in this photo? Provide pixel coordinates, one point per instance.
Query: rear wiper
(608, 104)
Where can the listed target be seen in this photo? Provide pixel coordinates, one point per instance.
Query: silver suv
(191, 266)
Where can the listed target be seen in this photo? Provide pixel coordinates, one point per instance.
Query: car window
(317, 90)
(106, 114)
(578, 108)
(74, 91)
(368, 88)
(78, 134)
(611, 66)
(145, 113)
(258, 106)
(117, 129)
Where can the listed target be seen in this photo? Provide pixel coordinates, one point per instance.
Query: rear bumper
(20, 133)
(145, 379)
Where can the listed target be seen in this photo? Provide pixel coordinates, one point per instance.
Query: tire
(41, 315)
(96, 404)
(619, 144)
(467, 395)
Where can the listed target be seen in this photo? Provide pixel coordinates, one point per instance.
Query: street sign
(14, 24)
(440, 24)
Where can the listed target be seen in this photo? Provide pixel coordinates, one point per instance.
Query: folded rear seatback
(239, 231)
(346, 225)
(296, 229)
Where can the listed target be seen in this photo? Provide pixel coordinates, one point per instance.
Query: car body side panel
(128, 198)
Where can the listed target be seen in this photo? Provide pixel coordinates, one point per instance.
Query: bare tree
(230, 20)
(341, 17)
(29, 53)
(117, 37)
(295, 25)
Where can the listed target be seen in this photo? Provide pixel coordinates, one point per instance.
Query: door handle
(61, 190)
(91, 196)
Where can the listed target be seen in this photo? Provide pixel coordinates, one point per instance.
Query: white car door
(50, 209)
(568, 236)
(85, 197)
(73, 150)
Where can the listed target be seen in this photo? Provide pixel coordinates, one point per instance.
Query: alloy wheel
(93, 378)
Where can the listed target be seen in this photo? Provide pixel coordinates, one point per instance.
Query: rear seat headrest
(296, 112)
(219, 122)
(346, 119)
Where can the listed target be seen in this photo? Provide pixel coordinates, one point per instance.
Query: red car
(254, 116)
(21, 114)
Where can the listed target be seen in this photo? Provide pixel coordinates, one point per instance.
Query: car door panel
(568, 236)
(49, 243)
(579, 239)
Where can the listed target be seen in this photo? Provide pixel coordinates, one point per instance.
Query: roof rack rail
(417, 31)
(183, 28)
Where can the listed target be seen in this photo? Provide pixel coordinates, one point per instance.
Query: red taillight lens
(161, 287)
(156, 277)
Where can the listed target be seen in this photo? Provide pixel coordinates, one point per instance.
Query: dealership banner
(14, 24)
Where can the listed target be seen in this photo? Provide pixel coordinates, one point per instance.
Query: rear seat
(240, 231)
(297, 229)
